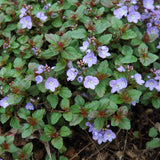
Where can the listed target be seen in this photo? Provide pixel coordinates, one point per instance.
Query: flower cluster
(132, 16)
(101, 135)
(151, 14)
(25, 17)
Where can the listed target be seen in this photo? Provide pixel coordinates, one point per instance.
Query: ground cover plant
(71, 67)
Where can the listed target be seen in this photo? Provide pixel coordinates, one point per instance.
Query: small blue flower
(38, 79)
(133, 16)
(151, 84)
(80, 79)
(26, 22)
(85, 46)
(4, 102)
(138, 78)
(90, 82)
(51, 84)
(118, 84)
(41, 16)
(40, 69)
(90, 59)
(29, 106)
(72, 73)
(103, 52)
(120, 12)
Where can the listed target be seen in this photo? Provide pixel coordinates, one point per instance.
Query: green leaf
(57, 22)
(125, 124)
(2, 139)
(27, 149)
(116, 99)
(1, 17)
(155, 143)
(57, 142)
(53, 100)
(65, 131)
(67, 116)
(65, 92)
(105, 39)
(48, 53)
(79, 34)
(79, 100)
(102, 67)
(60, 66)
(75, 108)
(71, 53)
(134, 94)
(9, 139)
(41, 87)
(55, 117)
(99, 123)
(23, 39)
(129, 34)
(127, 50)
(63, 158)
(156, 102)
(45, 137)
(27, 130)
(48, 129)
(38, 114)
(116, 23)
(23, 113)
(65, 103)
(101, 26)
(128, 59)
(53, 157)
(112, 106)
(12, 148)
(4, 118)
(153, 132)
(77, 119)
(14, 123)
(52, 38)
(101, 88)
(14, 45)
(107, 3)
(143, 48)
(92, 106)
(147, 60)
(14, 99)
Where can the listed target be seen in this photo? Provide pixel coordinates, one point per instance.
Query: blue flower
(85, 46)
(151, 84)
(51, 84)
(38, 79)
(90, 59)
(90, 82)
(133, 16)
(29, 106)
(26, 22)
(41, 16)
(72, 73)
(103, 52)
(4, 102)
(118, 84)
(120, 12)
